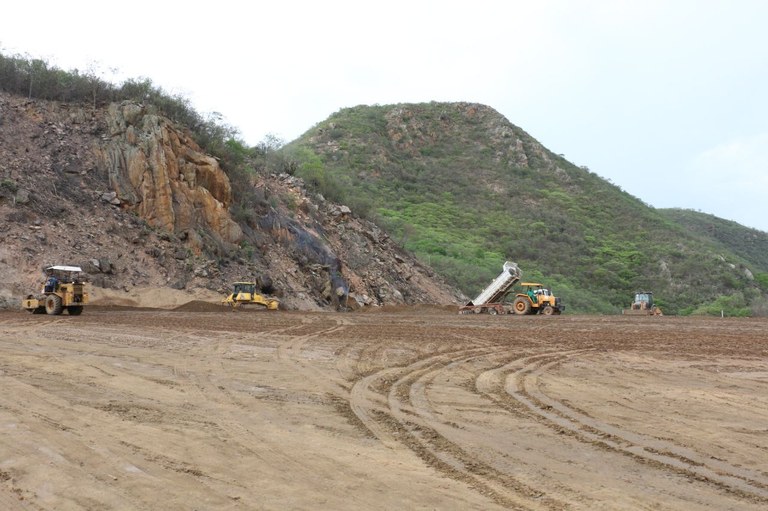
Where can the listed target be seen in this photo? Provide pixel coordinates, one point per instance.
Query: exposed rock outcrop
(163, 175)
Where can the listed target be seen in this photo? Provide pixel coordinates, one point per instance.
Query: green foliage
(8, 186)
(289, 201)
(312, 170)
(464, 190)
(751, 244)
(762, 280)
(732, 306)
(248, 250)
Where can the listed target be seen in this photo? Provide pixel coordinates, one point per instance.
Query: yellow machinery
(643, 305)
(63, 290)
(245, 293)
(536, 299)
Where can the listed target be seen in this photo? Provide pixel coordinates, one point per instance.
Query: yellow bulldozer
(63, 290)
(245, 293)
(643, 305)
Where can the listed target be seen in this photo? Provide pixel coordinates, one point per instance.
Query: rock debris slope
(132, 198)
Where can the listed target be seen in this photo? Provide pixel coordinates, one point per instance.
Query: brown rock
(164, 176)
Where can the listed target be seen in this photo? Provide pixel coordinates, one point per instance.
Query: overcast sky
(666, 98)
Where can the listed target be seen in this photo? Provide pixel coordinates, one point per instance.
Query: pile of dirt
(153, 298)
(421, 308)
(201, 306)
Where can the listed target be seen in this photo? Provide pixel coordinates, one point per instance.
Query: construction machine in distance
(244, 293)
(643, 305)
(535, 298)
(63, 290)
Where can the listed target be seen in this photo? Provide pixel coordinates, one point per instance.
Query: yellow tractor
(643, 305)
(536, 299)
(63, 290)
(245, 293)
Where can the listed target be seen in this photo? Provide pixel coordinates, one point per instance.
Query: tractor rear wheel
(521, 305)
(53, 305)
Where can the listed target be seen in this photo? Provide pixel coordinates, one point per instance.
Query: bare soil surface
(413, 408)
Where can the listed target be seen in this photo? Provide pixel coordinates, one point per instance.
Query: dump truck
(63, 290)
(244, 293)
(643, 305)
(533, 300)
(491, 299)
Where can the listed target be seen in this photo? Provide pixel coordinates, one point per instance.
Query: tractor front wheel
(548, 310)
(53, 305)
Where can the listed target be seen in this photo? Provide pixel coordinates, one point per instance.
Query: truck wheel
(53, 305)
(521, 305)
(492, 311)
(75, 310)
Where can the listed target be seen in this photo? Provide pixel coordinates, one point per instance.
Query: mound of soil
(202, 306)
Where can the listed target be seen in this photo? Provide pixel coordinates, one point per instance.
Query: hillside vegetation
(456, 184)
(465, 190)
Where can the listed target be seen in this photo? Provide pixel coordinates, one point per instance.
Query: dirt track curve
(419, 408)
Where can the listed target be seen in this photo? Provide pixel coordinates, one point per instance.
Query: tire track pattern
(391, 403)
(517, 386)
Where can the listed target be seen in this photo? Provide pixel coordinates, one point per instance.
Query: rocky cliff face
(134, 200)
(163, 175)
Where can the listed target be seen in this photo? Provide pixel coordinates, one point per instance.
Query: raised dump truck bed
(491, 298)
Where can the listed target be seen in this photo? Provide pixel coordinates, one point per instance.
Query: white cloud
(729, 180)
(740, 160)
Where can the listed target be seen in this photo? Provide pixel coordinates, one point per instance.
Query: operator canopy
(64, 268)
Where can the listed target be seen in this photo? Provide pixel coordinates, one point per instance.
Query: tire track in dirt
(50, 422)
(290, 346)
(411, 408)
(204, 350)
(336, 387)
(461, 373)
(371, 407)
(29, 327)
(517, 386)
(400, 423)
(197, 348)
(286, 346)
(289, 351)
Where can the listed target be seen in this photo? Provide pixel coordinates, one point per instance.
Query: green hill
(751, 244)
(465, 190)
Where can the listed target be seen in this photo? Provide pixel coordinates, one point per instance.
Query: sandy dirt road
(414, 409)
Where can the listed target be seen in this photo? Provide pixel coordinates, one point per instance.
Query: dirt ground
(415, 408)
